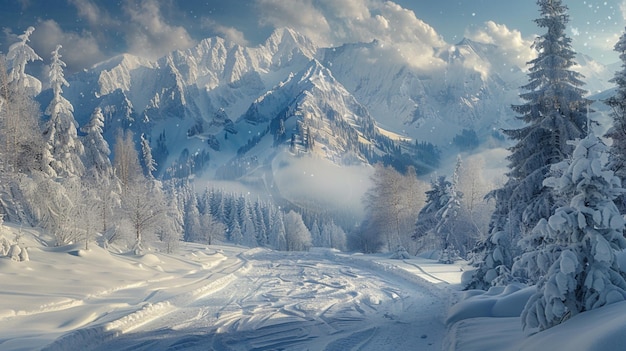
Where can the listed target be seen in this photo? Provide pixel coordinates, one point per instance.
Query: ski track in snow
(266, 300)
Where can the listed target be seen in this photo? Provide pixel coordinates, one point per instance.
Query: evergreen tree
(170, 225)
(579, 242)
(617, 132)
(99, 178)
(191, 219)
(97, 151)
(297, 235)
(278, 239)
(316, 235)
(19, 55)
(554, 112)
(21, 143)
(60, 130)
(149, 165)
(235, 234)
(335, 237)
(429, 217)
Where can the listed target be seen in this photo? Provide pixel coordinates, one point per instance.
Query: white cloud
(301, 15)
(149, 35)
(80, 50)
(229, 33)
(93, 14)
(332, 23)
(514, 48)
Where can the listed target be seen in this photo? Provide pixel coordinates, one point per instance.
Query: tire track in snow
(90, 337)
(295, 302)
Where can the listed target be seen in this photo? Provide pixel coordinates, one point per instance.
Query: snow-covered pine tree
(581, 239)
(21, 143)
(277, 236)
(297, 235)
(436, 199)
(335, 235)
(234, 234)
(170, 227)
(60, 132)
(149, 165)
(99, 178)
(617, 132)
(96, 157)
(19, 55)
(191, 219)
(447, 216)
(554, 112)
(316, 235)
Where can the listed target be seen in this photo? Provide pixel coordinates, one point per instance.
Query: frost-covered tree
(99, 178)
(96, 156)
(21, 143)
(277, 236)
(149, 165)
(60, 133)
(126, 160)
(58, 206)
(297, 235)
(143, 205)
(392, 204)
(579, 242)
(334, 236)
(170, 227)
(234, 234)
(212, 230)
(554, 112)
(191, 218)
(475, 211)
(20, 54)
(617, 132)
(446, 228)
(437, 198)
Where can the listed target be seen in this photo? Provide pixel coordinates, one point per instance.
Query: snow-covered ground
(220, 298)
(234, 298)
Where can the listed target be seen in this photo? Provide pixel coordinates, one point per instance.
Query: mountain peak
(286, 41)
(129, 61)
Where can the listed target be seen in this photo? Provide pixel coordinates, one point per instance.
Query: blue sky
(93, 30)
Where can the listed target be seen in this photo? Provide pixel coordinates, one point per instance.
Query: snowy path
(263, 300)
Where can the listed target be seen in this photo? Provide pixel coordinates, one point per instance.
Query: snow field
(222, 298)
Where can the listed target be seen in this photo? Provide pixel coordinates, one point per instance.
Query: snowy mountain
(430, 105)
(219, 105)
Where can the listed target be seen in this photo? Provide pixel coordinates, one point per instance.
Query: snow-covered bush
(17, 253)
(4, 247)
(401, 253)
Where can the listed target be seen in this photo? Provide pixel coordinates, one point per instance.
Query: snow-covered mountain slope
(435, 105)
(219, 105)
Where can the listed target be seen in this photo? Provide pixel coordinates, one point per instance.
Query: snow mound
(149, 259)
(506, 301)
